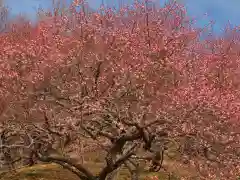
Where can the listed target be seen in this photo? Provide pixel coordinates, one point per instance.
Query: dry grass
(40, 172)
(55, 172)
(94, 163)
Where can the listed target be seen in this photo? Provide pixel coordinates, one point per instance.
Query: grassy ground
(94, 163)
(55, 172)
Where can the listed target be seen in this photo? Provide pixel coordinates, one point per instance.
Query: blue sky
(221, 11)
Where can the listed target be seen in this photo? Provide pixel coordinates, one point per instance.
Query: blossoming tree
(128, 83)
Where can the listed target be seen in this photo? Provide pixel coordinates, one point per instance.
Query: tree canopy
(128, 82)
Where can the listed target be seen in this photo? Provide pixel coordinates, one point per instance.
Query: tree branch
(68, 163)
